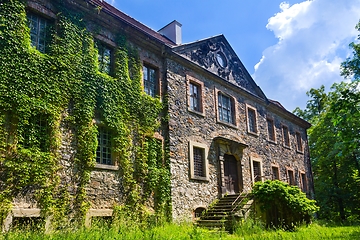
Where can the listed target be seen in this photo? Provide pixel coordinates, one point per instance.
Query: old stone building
(222, 133)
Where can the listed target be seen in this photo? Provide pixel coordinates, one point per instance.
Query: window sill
(227, 124)
(272, 141)
(300, 152)
(253, 133)
(198, 178)
(202, 114)
(106, 167)
(286, 146)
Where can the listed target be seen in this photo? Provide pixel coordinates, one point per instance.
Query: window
(275, 173)
(251, 118)
(150, 80)
(103, 152)
(271, 129)
(256, 165)
(38, 31)
(303, 182)
(299, 146)
(36, 133)
(104, 58)
(198, 212)
(291, 177)
(225, 107)
(198, 161)
(195, 97)
(285, 131)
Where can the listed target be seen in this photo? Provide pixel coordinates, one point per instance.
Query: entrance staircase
(225, 212)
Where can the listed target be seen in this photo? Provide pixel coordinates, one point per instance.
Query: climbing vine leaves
(44, 96)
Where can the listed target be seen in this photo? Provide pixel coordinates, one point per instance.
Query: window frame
(101, 165)
(303, 182)
(272, 126)
(299, 142)
(205, 149)
(277, 170)
(46, 36)
(255, 120)
(233, 107)
(285, 135)
(101, 45)
(200, 85)
(291, 176)
(156, 82)
(258, 160)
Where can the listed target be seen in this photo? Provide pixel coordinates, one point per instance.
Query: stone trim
(97, 213)
(273, 165)
(251, 108)
(106, 167)
(41, 10)
(203, 146)
(283, 127)
(288, 171)
(148, 62)
(233, 108)
(259, 160)
(270, 118)
(200, 84)
(298, 137)
(303, 185)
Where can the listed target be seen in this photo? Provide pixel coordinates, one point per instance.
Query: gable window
(252, 120)
(103, 151)
(275, 173)
(150, 80)
(198, 161)
(104, 58)
(299, 146)
(271, 129)
(225, 108)
(291, 177)
(38, 31)
(286, 139)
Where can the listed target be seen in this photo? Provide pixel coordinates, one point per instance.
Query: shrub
(281, 205)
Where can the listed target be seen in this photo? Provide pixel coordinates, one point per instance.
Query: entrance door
(231, 174)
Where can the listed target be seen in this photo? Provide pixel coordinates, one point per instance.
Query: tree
(334, 141)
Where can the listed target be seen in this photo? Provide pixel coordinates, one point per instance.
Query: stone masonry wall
(185, 125)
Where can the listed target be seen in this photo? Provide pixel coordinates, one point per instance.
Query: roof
(131, 21)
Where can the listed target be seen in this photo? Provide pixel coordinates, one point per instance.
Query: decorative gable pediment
(216, 55)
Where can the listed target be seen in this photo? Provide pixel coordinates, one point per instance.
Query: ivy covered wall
(39, 92)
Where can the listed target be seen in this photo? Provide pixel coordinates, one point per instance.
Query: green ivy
(64, 87)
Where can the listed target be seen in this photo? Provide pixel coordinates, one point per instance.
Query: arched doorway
(231, 174)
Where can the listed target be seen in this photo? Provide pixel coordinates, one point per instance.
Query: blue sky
(288, 47)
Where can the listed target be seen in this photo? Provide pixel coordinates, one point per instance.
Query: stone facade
(233, 152)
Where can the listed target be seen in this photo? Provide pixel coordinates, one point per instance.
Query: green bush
(280, 205)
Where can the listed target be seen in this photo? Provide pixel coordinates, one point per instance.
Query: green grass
(248, 230)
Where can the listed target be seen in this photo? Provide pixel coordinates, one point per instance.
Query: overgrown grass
(247, 230)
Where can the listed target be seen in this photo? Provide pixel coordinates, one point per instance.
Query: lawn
(248, 230)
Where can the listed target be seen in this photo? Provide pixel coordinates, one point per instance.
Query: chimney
(172, 31)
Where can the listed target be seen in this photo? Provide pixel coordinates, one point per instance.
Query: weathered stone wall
(185, 125)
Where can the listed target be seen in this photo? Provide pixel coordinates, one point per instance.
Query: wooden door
(231, 174)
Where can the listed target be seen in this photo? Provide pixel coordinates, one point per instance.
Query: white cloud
(313, 38)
